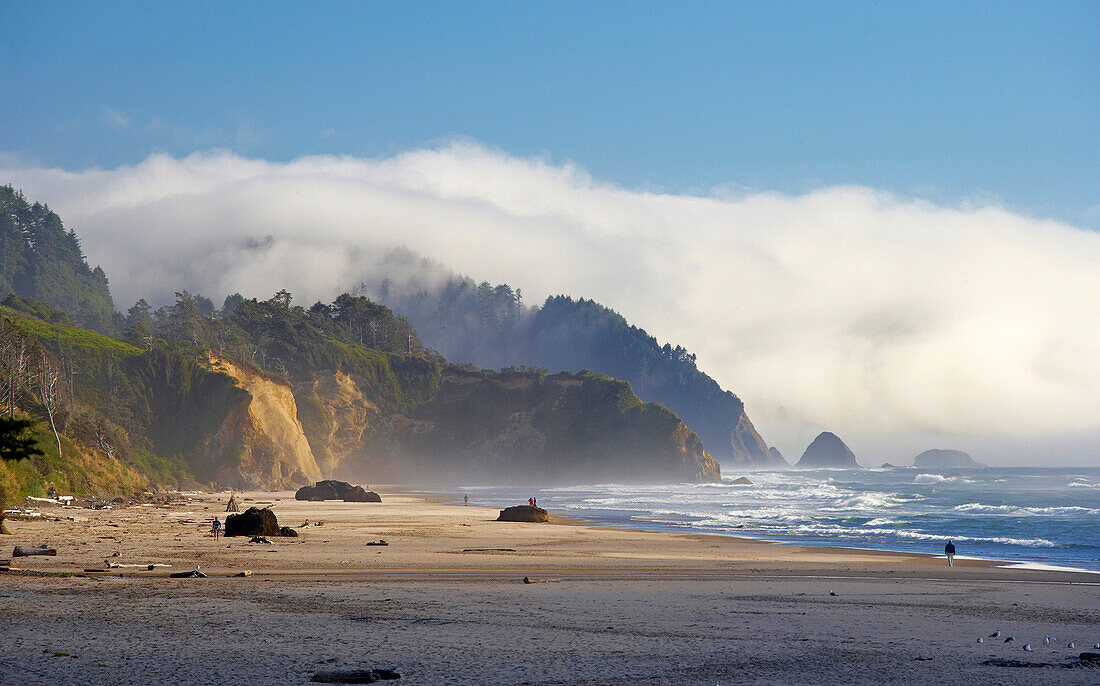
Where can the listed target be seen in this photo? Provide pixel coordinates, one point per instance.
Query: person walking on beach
(216, 528)
(949, 550)
(466, 499)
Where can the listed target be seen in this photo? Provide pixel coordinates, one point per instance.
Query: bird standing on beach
(1027, 647)
(980, 639)
(995, 634)
(1010, 639)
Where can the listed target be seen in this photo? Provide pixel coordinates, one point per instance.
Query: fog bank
(847, 308)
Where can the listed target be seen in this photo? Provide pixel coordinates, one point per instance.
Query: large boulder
(524, 513)
(828, 450)
(337, 490)
(256, 522)
(945, 458)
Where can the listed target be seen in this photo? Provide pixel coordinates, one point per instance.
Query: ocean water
(1045, 516)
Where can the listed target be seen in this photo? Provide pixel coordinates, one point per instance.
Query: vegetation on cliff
(39, 259)
(491, 327)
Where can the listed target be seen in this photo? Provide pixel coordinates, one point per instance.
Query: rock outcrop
(827, 450)
(777, 457)
(337, 490)
(939, 459)
(261, 443)
(256, 522)
(524, 513)
(741, 481)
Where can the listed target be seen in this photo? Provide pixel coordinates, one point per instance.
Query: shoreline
(579, 520)
(445, 603)
(433, 534)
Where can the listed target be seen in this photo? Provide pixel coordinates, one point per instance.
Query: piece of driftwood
(378, 542)
(193, 574)
(27, 551)
(488, 550)
(356, 676)
(247, 572)
(528, 580)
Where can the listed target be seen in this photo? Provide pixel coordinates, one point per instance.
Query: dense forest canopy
(39, 259)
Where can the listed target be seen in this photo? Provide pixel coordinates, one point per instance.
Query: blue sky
(997, 101)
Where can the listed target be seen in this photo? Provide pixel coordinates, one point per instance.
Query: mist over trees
(489, 326)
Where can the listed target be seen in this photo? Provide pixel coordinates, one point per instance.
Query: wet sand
(444, 603)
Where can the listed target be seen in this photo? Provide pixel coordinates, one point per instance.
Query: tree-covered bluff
(491, 327)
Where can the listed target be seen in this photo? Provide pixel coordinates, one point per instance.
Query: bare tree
(13, 360)
(49, 394)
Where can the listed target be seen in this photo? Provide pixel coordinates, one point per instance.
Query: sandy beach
(444, 603)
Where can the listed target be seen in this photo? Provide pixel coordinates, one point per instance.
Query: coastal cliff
(260, 444)
(546, 428)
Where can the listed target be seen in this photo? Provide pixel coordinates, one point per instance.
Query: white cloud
(845, 308)
(119, 120)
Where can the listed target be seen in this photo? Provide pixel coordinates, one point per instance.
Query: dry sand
(444, 604)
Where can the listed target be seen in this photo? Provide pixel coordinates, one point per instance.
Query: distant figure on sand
(466, 499)
(949, 550)
(216, 528)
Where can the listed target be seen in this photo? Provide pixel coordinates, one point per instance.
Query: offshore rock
(827, 450)
(945, 458)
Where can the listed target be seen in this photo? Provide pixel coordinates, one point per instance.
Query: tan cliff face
(261, 443)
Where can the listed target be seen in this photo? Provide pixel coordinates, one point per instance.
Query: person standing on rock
(949, 550)
(531, 502)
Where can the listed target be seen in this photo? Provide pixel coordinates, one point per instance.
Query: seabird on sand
(995, 634)
(1096, 647)
(1070, 644)
(832, 593)
(1027, 647)
(980, 639)
(1010, 639)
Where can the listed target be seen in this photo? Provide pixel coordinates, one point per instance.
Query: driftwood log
(356, 676)
(27, 551)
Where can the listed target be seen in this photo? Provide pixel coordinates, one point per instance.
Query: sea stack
(828, 450)
(945, 458)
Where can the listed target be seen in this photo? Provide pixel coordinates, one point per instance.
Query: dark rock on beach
(337, 490)
(256, 522)
(524, 513)
(828, 450)
(741, 481)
